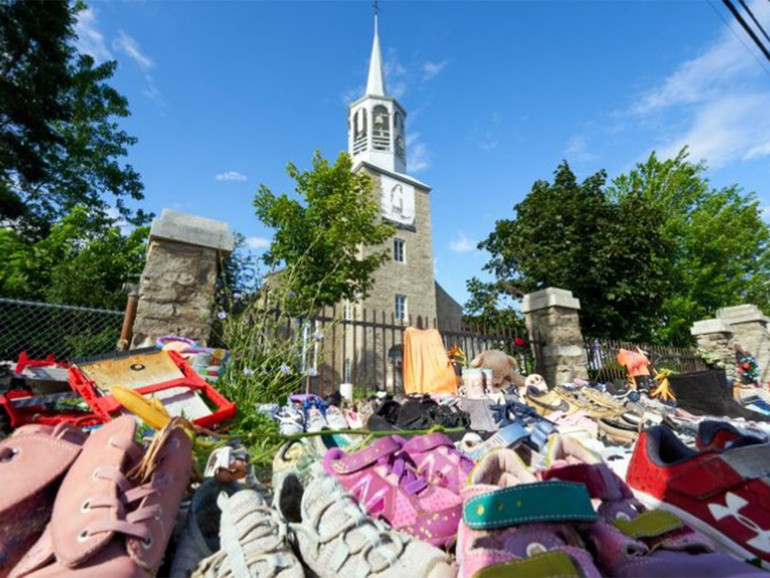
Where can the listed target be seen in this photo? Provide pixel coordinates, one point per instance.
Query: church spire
(375, 84)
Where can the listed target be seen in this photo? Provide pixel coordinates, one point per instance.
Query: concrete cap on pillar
(706, 326)
(550, 297)
(746, 313)
(192, 230)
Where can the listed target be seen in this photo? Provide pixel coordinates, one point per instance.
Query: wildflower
(222, 315)
(237, 296)
(518, 341)
(248, 372)
(318, 335)
(312, 372)
(291, 294)
(285, 369)
(357, 295)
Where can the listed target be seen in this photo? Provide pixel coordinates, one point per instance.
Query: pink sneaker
(117, 506)
(33, 462)
(384, 479)
(437, 459)
(515, 525)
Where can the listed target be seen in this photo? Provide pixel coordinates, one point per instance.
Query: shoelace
(236, 540)
(399, 464)
(128, 523)
(356, 520)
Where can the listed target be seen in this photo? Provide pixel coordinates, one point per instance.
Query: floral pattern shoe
(628, 539)
(385, 480)
(515, 525)
(437, 459)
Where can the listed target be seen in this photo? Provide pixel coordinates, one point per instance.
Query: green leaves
(647, 256)
(60, 146)
(330, 235)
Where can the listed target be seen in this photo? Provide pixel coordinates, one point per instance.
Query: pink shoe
(32, 464)
(629, 540)
(384, 479)
(515, 525)
(117, 506)
(437, 459)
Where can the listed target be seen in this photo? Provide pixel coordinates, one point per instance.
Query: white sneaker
(337, 539)
(253, 541)
(335, 418)
(290, 420)
(315, 420)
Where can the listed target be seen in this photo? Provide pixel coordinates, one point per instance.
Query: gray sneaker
(337, 539)
(252, 541)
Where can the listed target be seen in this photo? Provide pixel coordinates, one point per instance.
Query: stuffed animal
(505, 370)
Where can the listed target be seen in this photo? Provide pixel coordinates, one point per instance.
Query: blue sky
(224, 94)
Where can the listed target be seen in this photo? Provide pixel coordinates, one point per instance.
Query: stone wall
(176, 290)
(744, 325)
(553, 323)
(449, 312)
(413, 278)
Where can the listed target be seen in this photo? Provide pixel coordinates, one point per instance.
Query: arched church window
(381, 128)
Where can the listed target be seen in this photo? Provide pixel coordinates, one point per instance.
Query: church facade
(405, 285)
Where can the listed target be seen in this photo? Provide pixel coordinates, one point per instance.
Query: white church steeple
(376, 121)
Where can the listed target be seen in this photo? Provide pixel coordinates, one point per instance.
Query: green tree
(722, 254)
(60, 146)
(571, 235)
(74, 264)
(329, 236)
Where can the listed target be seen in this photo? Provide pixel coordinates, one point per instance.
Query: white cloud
(230, 176)
(417, 154)
(353, 94)
(463, 244)
(152, 90)
(130, 47)
(577, 150)
(765, 211)
(256, 243)
(431, 70)
(484, 132)
(90, 39)
(396, 76)
(716, 103)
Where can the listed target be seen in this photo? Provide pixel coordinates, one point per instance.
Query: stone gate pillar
(749, 327)
(176, 291)
(715, 337)
(552, 320)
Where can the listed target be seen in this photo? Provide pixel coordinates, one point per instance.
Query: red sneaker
(720, 435)
(723, 494)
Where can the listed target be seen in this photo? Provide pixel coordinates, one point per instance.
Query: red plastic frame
(105, 405)
(37, 414)
(25, 361)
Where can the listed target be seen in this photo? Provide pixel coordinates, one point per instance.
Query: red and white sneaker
(720, 435)
(723, 494)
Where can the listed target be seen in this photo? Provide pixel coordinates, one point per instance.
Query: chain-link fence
(66, 331)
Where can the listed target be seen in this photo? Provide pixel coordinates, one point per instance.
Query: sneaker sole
(720, 540)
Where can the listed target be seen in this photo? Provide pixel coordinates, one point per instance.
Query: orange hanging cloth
(427, 368)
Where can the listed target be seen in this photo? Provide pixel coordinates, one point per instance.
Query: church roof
(375, 84)
(398, 176)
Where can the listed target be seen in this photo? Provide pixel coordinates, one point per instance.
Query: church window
(359, 131)
(401, 307)
(380, 128)
(399, 251)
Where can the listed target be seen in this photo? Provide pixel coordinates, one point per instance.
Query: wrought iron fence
(65, 331)
(365, 347)
(601, 357)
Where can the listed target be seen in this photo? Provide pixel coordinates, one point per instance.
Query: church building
(404, 285)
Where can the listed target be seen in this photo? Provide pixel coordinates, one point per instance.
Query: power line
(746, 46)
(731, 7)
(756, 22)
